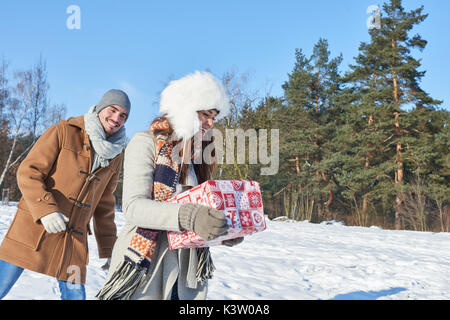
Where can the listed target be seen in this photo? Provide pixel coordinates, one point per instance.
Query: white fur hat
(182, 98)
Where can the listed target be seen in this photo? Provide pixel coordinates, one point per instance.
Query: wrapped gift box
(239, 200)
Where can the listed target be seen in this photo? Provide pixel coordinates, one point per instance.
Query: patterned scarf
(139, 254)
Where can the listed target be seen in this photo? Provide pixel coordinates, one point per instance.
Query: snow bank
(299, 260)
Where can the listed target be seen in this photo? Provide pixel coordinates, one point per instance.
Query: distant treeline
(367, 147)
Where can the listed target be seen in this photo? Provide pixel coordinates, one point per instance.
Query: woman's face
(207, 118)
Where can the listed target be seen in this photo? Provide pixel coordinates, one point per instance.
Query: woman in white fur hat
(142, 265)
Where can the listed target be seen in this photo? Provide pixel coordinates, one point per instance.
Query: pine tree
(386, 77)
(309, 94)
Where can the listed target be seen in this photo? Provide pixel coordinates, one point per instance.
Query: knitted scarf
(138, 256)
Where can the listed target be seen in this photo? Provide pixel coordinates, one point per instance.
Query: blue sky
(138, 46)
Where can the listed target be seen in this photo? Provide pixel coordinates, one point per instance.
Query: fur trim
(182, 98)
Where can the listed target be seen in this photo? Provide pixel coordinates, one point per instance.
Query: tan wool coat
(56, 177)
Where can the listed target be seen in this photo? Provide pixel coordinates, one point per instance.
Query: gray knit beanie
(114, 96)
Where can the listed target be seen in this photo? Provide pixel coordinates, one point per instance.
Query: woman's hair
(203, 170)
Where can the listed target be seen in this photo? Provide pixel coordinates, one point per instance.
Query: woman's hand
(207, 222)
(232, 242)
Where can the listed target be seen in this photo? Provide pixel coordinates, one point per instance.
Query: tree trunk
(297, 164)
(297, 168)
(367, 166)
(398, 149)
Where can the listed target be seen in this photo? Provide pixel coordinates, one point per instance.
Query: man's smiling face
(112, 119)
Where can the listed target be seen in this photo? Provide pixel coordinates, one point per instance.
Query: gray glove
(207, 222)
(107, 264)
(232, 242)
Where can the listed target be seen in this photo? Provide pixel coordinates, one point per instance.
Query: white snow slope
(299, 260)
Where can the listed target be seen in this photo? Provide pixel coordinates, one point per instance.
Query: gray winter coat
(141, 211)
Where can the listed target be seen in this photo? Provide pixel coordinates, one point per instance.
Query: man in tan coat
(68, 177)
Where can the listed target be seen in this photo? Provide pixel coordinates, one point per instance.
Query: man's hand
(54, 222)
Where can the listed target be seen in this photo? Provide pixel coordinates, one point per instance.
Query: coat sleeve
(139, 209)
(35, 168)
(105, 229)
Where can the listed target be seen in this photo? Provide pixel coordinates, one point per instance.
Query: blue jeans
(10, 273)
(174, 295)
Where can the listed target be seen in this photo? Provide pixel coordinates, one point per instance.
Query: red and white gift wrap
(239, 200)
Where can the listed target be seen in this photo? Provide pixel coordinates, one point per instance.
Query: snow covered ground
(299, 260)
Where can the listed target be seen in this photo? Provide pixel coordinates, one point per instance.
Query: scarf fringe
(127, 277)
(205, 267)
(123, 283)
